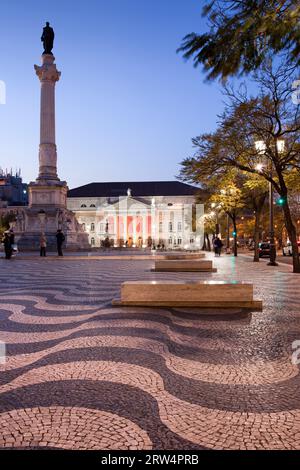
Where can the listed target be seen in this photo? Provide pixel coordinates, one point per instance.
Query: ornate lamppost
(261, 147)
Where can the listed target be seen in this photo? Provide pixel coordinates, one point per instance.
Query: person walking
(43, 244)
(215, 245)
(14, 248)
(6, 240)
(218, 246)
(60, 238)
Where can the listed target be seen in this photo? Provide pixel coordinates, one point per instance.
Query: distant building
(137, 214)
(13, 192)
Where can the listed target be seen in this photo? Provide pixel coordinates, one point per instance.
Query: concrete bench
(215, 294)
(184, 265)
(171, 256)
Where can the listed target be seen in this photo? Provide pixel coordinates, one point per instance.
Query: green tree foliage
(242, 33)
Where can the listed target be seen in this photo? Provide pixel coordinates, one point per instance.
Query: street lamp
(280, 143)
(259, 167)
(261, 148)
(223, 192)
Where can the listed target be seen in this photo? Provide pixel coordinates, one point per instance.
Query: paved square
(80, 374)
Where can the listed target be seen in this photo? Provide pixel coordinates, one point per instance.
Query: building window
(92, 227)
(102, 227)
(170, 227)
(93, 241)
(170, 241)
(192, 240)
(92, 205)
(179, 226)
(179, 241)
(83, 205)
(160, 227)
(83, 226)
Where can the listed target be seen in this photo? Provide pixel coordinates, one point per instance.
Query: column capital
(47, 71)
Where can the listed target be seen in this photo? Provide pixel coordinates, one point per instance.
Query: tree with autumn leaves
(258, 136)
(230, 192)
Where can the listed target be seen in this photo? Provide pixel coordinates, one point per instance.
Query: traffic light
(281, 201)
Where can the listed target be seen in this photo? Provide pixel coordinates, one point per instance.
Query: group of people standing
(8, 241)
(60, 238)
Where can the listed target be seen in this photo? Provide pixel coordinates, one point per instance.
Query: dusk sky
(127, 105)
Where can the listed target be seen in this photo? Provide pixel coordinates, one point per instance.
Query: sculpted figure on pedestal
(60, 219)
(47, 38)
(20, 221)
(79, 227)
(70, 225)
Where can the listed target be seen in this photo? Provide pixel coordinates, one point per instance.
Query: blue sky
(126, 106)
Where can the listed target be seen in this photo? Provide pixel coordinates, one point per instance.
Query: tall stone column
(48, 190)
(116, 229)
(47, 209)
(125, 227)
(144, 230)
(134, 224)
(48, 75)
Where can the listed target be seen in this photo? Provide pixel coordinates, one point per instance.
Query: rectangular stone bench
(171, 256)
(215, 294)
(184, 265)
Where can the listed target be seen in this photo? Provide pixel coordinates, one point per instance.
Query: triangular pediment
(131, 203)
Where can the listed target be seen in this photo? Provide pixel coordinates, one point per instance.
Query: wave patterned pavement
(81, 374)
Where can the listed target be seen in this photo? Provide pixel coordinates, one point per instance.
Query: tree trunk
(204, 242)
(234, 237)
(291, 230)
(256, 236)
(228, 235)
(208, 242)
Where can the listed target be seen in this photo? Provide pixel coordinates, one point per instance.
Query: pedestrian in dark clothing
(6, 240)
(43, 244)
(14, 248)
(218, 246)
(12, 237)
(60, 238)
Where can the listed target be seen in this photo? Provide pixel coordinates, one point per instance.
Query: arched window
(83, 205)
(92, 205)
(92, 227)
(83, 226)
(93, 241)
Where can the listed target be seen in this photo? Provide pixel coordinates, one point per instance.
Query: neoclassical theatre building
(139, 214)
